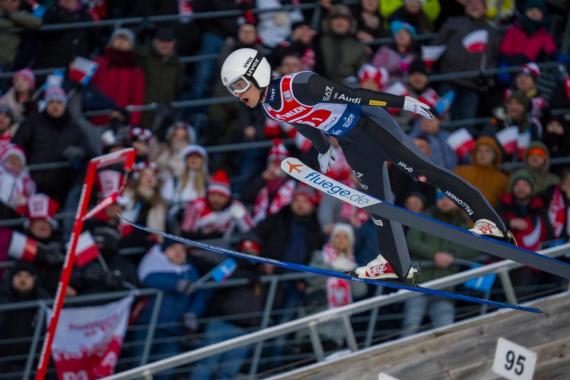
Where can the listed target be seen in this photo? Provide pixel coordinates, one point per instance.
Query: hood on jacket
(518, 175)
(339, 10)
(490, 141)
(538, 145)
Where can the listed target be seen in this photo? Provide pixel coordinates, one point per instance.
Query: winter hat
(220, 183)
(55, 94)
(537, 148)
(535, 4)
(397, 26)
(109, 182)
(249, 244)
(27, 75)
(167, 243)
(183, 125)
(23, 266)
(278, 152)
(14, 150)
(520, 175)
(378, 74)
(418, 195)
(140, 166)
(340, 10)
(531, 69)
(520, 97)
(306, 191)
(40, 206)
(125, 33)
(165, 34)
(418, 66)
(343, 227)
(195, 149)
(140, 134)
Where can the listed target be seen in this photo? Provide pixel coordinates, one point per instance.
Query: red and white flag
(397, 88)
(82, 70)
(338, 292)
(88, 341)
(476, 42)
(22, 247)
(508, 139)
(523, 141)
(302, 143)
(87, 250)
(430, 54)
(461, 142)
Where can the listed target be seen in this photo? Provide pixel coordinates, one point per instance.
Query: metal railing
(341, 314)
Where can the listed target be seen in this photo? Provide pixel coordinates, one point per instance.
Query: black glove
(107, 239)
(73, 152)
(93, 272)
(50, 253)
(114, 279)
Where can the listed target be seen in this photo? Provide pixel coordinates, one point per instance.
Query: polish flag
(461, 142)
(82, 70)
(397, 88)
(523, 141)
(339, 292)
(22, 247)
(430, 54)
(429, 96)
(476, 42)
(508, 139)
(271, 129)
(86, 251)
(302, 143)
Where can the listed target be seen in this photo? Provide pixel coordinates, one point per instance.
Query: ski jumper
(370, 138)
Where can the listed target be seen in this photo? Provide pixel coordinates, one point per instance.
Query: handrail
(325, 316)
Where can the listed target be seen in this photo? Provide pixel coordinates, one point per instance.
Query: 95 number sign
(514, 362)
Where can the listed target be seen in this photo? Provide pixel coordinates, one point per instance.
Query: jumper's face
(23, 281)
(176, 254)
(247, 34)
(55, 108)
(41, 229)
(341, 241)
(250, 97)
(522, 189)
(485, 155)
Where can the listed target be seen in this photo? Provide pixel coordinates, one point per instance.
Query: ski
(330, 273)
(303, 173)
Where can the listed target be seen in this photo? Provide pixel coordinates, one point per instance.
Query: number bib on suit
(334, 119)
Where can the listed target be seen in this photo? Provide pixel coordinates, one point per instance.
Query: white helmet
(243, 67)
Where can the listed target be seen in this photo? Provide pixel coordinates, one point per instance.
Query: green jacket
(341, 56)
(423, 247)
(9, 41)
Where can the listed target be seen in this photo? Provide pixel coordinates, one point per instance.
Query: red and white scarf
(558, 213)
(339, 292)
(262, 207)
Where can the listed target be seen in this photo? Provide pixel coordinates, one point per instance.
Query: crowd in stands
(242, 198)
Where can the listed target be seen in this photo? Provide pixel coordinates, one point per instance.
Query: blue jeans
(466, 101)
(225, 365)
(211, 44)
(441, 313)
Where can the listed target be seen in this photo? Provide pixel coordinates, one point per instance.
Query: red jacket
(124, 84)
(533, 236)
(518, 43)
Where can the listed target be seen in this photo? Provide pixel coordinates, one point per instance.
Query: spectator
(525, 82)
(537, 166)
(177, 191)
(370, 25)
(412, 13)
(139, 138)
(16, 185)
(272, 190)
(300, 44)
(51, 136)
(418, 86)
(484, 172)
(415, 201)
(557, 132)
(501, 11)
(291, 235)
(119, 76)
(117, 134)
(11, 17)
(20, 97)
(275, 27)
(557, 201)
(18, 325)
(236, 309)
(431, 8)
(59, 47)
(527, 40)
(439, 258)
(142, 200)
(170, 158)
(523, 212)
(163, 72)
(340, 55)
(165, 268)
(396, 58)
(456, 57)
(441, 153)
(216, 215)
(8, 125)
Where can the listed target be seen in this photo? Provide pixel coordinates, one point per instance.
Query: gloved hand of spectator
(107, 239)
(417, 107)
(190, 321)
(50, 253)
(93, 272)
(327, 159)
(74, 155)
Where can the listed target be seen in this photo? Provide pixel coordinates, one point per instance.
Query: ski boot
(485, 227)
(381, 269)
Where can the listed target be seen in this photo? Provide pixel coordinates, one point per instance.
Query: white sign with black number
(514, 362)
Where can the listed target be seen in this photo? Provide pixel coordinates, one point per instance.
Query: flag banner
(430, 54)
(88, 341)
(508, 138)
(86, 250)
(461, 142)
(476, 42)
(82, 70)
(224, 270)
(397, 88)
(338, 292)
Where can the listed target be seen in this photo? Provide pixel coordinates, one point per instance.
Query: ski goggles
(239, 86)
